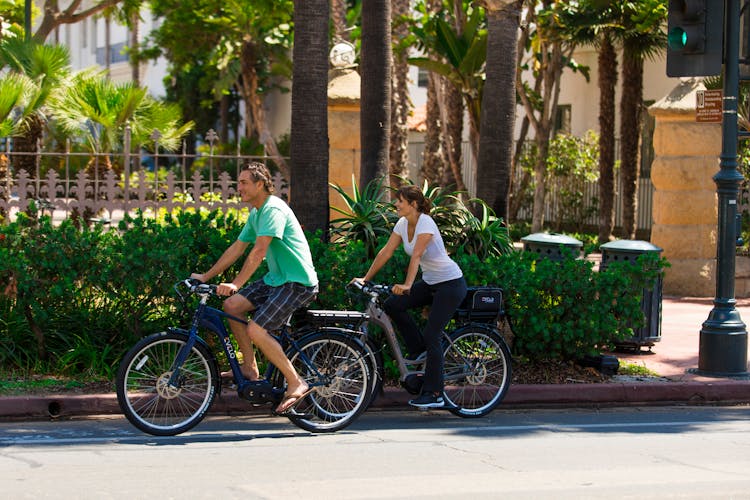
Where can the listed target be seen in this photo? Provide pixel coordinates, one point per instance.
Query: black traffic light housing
(695, 33)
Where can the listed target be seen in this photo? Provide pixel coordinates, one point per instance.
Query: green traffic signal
(677, 38)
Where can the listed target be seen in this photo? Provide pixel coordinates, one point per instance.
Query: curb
(729, 392)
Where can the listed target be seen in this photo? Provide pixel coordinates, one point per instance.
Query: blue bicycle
(167, 382)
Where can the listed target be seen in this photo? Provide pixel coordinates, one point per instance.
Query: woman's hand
(360, 281)
(402, 289)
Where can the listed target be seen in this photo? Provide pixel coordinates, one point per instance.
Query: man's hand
(226, 289)
(199, 277)
(402, 289)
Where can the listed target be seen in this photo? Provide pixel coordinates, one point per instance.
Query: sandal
(287, 404)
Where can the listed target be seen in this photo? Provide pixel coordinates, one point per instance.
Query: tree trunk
(254, 104)
(607, 84)
(453, 136)
(135, 65)
(53, 17)
(631, 104)
(540, 177)
(338, 15)
(400, 103)
(375, 94)
(309, 134)
(498, 108)
(431, 157)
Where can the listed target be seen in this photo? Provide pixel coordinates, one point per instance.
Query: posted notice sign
(708, 106)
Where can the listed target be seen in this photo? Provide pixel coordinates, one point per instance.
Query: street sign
(708, 106)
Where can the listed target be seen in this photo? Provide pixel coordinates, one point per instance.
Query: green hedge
(75, 299)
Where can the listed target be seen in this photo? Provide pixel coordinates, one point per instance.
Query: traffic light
(695, 32)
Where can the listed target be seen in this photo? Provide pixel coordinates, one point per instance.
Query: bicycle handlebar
(195, 286)
(370, 288)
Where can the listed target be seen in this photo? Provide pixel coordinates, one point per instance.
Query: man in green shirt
(291, 281)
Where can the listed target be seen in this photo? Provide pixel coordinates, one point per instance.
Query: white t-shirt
(436, 265)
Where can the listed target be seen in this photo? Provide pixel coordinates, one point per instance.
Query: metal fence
(59, 183)
(109, 185)
(553, 204)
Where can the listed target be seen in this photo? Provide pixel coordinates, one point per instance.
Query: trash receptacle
(550, 245)
(628, 251)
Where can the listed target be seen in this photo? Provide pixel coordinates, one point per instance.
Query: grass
(17, 385)
(635, 370)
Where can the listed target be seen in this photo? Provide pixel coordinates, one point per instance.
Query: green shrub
(80, 297)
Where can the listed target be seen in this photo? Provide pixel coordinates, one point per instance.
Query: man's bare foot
(292, 397)
(251, 374)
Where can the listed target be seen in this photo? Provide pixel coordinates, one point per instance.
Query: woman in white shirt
(442, 285)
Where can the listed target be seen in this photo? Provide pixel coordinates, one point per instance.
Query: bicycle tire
(336, 404)
(376, 365)
(477, 370)
(145, 398)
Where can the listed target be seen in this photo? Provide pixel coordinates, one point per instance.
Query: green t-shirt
(288, 256)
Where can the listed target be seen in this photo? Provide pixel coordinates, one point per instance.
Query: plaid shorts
(274, 305)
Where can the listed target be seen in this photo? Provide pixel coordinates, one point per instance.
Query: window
(562, 119)
(648, 124)
(422, 77)
(116, 54)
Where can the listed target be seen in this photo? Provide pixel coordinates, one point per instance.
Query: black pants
(445, 298)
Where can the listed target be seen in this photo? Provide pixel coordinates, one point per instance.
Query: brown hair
(259, 172)
(411, 193)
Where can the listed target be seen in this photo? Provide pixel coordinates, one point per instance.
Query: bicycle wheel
(375, 364)
(146, 398)
(345, 381)
(477, 370)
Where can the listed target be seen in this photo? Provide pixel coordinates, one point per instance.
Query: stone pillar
(685, 206)
(343, 132)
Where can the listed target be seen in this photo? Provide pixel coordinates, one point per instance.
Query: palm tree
(498, 105)
(400, 102)
(96, 110)
(16, 91)
(48, 66)
(432, 160)
(452, 109)
(600, 24)
(309, 135)
(338, 16)
(458, 54)
(607, 63)
(432, 157)
(375, 94)
(643, 38)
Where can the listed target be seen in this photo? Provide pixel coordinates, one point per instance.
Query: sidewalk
(671, 357)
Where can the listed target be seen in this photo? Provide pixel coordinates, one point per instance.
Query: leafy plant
(368, 214)
(484, 237)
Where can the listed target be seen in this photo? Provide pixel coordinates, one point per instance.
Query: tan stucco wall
(343, 132)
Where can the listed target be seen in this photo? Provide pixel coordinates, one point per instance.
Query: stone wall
(685, 204)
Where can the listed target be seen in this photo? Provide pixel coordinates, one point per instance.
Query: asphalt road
(664, 452)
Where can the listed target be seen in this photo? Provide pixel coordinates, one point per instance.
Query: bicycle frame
(212, 319)
(379, 317)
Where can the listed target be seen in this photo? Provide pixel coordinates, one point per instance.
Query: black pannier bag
(482, 304)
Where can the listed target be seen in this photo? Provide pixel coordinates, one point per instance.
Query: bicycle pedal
(304, 416)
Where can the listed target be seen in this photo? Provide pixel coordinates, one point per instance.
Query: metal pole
(27, 20)
(723, 338)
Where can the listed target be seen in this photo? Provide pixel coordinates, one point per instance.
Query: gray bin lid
(629, 246)
(552, 239)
